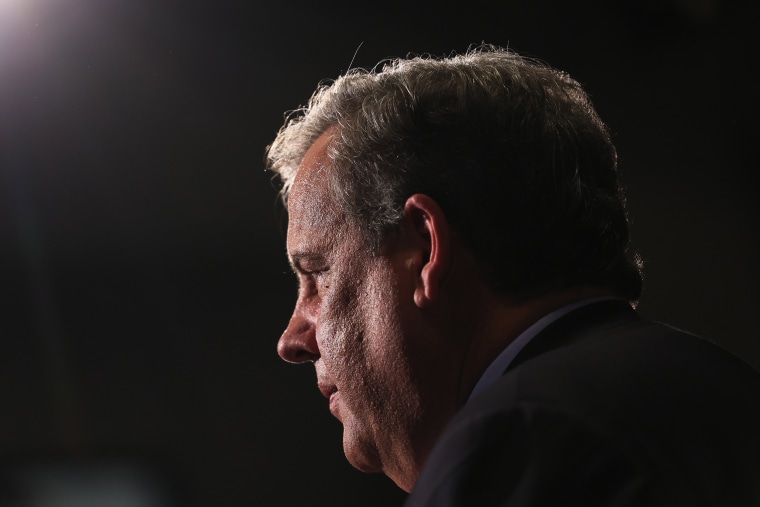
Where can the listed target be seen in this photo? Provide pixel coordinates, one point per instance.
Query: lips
(327, 390)
(331, 392)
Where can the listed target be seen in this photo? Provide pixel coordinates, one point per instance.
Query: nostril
(294, 351)
(298, 343)
(300, 356)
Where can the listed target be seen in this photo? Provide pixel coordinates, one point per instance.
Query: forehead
(309, 194)
(313, 214)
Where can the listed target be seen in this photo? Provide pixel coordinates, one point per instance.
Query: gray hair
(511, 149)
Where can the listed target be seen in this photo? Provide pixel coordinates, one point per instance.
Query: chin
(360, 453)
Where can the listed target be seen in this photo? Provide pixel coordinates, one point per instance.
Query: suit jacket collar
(576, 325)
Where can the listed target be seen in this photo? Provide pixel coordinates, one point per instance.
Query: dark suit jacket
(604, 409)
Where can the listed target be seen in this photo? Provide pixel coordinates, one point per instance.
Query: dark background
(142, 269)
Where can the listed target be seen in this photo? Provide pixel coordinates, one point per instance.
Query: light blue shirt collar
(497, 368)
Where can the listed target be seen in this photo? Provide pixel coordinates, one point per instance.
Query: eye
(312, 282)
(320, 277)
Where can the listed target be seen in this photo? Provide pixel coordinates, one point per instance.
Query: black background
(142, 268)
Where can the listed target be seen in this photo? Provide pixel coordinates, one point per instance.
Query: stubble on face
(362, 302)
(362, 350)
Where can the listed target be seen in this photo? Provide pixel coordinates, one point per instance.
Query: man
(467, 291)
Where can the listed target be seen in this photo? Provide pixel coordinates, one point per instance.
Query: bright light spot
(11, 10)
(16, 18)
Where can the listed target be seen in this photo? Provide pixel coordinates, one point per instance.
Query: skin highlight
(398, 340)
(349, 314)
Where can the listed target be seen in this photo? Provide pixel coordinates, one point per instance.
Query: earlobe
(431, 236)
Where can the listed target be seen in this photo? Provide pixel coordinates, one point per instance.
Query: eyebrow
(298, 258)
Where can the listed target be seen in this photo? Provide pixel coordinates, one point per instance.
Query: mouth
(327, 390)
(331, 393)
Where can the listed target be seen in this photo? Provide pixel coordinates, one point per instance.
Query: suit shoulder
(659, 410)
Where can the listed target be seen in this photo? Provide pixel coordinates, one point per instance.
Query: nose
(298, 344)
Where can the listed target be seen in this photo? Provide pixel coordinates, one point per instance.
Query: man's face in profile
(353, 317)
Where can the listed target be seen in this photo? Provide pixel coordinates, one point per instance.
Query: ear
(430, 235)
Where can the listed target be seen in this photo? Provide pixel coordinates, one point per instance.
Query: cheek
(387, 330)
(361, 330)
(339, 330)
(358, 330)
